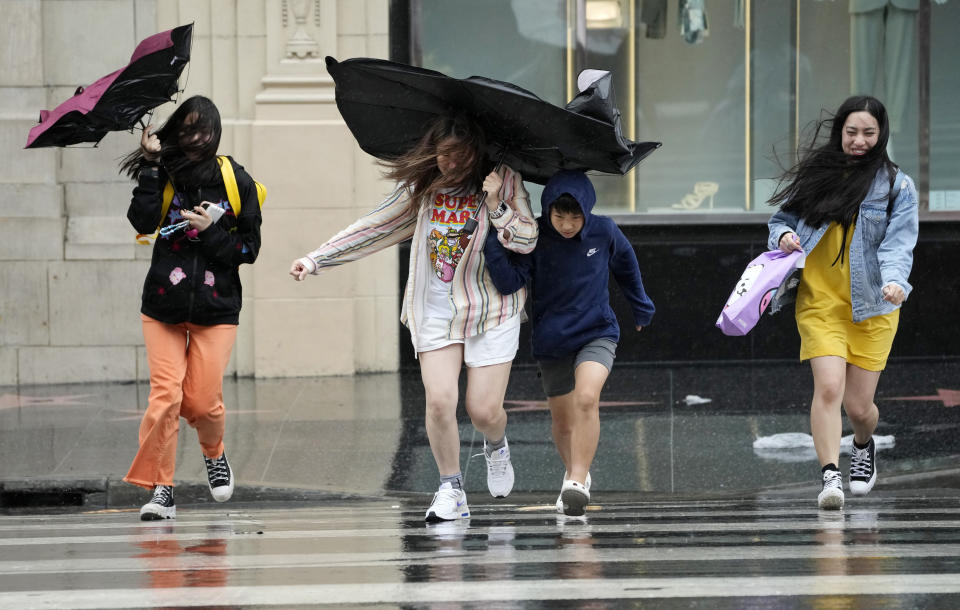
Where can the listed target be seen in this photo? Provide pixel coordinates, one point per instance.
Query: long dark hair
(417, 169)
(183, 171)
(827, 185)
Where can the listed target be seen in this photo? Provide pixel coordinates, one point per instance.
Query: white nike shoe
(448, 504)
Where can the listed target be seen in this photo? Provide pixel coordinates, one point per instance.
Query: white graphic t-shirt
(445, 244)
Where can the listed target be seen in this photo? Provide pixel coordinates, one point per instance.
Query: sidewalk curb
(59, 493)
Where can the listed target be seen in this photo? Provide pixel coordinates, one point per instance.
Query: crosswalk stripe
(496, 590)
(200, 519)
(189, 561)
(635, 529)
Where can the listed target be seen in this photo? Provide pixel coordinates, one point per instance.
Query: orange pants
(187, 362)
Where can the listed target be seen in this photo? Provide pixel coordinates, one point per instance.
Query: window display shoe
(701, 191)
(448, 504)
(219, 477)
(560, 497)
(831, 496)
(160, 506)
(575, 497)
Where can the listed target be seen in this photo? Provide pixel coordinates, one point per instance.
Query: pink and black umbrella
(119, 100)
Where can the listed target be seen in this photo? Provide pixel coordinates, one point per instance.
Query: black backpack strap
(894, 188)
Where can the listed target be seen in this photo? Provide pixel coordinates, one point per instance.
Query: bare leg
(561, 414)
(440, 371)
(486, 388)
(829, 379)
(858, 402)
(585, 435)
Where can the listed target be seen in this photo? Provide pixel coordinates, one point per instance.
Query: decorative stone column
(344, 320)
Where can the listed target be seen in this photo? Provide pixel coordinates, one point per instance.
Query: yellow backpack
(233, 196)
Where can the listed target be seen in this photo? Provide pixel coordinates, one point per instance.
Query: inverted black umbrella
(119, 100)
(388, 107)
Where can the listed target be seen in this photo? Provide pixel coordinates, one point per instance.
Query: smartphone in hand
(215, 211)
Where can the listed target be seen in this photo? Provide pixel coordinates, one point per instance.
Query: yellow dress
(825, 314)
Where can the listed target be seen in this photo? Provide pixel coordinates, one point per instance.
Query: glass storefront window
(872, 50)
(729, 87)
(944, 130)
(691, 92)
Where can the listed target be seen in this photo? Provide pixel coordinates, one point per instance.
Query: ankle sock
(455, 480)
(859, 446)
(830, 466)
(493, 447)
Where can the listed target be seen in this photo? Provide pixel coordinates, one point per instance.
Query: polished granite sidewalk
(362, 436)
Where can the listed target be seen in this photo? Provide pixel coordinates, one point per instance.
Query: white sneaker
(448, 504)
(499, 470)
(831, 496)
(560, 497)
(575, 497)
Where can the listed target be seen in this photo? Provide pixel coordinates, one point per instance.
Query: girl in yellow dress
(855, 215)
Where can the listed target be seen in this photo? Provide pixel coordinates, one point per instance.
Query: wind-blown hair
(183, 171)
(827, 185)
(417, 169)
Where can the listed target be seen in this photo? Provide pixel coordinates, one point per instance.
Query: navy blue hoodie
(569, 277)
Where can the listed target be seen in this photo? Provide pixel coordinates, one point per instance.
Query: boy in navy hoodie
(575, 331)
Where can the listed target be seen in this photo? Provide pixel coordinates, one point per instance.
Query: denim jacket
(881, 249)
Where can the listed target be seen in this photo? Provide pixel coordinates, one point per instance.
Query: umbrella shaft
(471, 225)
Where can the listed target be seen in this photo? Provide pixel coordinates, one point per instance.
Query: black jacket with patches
(196, 278)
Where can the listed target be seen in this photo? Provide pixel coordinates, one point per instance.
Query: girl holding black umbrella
(455, 314)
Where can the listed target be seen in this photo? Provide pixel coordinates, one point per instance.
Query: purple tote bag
(756, 287)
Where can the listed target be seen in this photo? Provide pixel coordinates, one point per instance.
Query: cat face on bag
(746, 280)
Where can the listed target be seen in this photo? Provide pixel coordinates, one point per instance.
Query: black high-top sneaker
(831, 496)
(219, 477)
(863, 469)
(160, 506)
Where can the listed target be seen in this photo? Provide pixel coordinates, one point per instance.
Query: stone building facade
(70, 270)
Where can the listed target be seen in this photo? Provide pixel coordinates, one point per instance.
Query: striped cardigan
(477, 305)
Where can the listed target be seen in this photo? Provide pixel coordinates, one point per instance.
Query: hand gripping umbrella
(118, 101)
(388, 107)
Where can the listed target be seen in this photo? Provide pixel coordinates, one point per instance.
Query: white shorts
(496, 346)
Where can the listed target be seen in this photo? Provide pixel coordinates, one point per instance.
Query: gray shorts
(557, 376)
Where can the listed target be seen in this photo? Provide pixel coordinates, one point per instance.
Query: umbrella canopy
(388, 107)
(119, 100)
